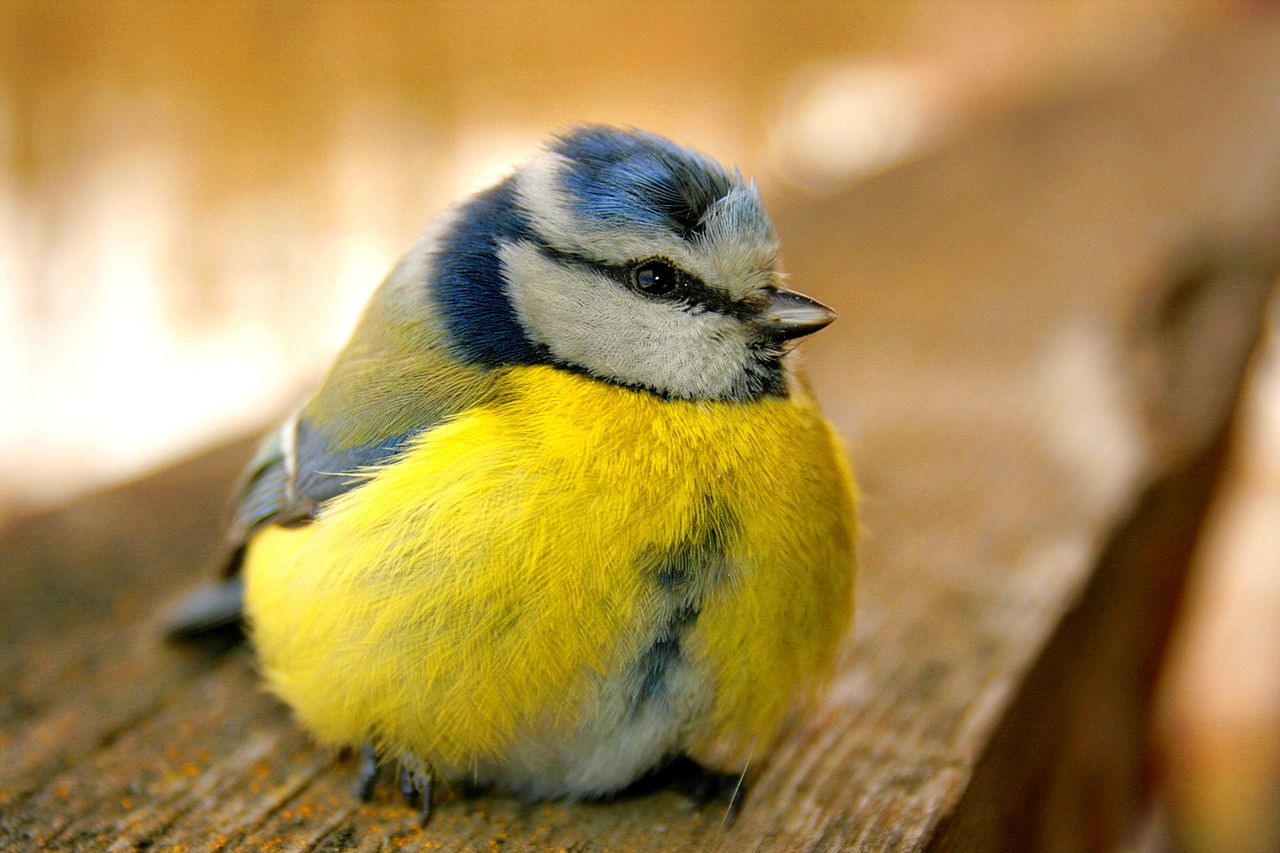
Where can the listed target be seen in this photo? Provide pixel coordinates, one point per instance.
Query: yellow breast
(512, 560)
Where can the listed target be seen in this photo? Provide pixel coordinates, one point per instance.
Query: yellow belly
(491, 585)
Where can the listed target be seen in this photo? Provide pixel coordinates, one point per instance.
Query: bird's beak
(793, 315)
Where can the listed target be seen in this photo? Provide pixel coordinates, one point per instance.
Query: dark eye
(654, 278)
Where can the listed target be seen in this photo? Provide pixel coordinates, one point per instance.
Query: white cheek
(590, 321)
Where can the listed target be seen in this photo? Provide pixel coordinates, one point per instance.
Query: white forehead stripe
(540, 188)
(591, 321)
(736, 251)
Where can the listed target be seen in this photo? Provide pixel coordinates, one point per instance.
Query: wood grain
(1044, 330)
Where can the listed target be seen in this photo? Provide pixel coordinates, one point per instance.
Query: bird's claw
(728, 788)
(415, 785)
(368, 777)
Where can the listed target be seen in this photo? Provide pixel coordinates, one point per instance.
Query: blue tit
(562, 510)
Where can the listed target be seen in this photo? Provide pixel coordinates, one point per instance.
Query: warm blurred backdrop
(195, 200)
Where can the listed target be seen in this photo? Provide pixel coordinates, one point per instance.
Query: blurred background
(196, 199)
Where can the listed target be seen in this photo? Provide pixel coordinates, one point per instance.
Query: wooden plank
(1043, 332)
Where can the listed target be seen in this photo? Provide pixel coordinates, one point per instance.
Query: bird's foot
(415, 782)
(368, 777)
(415, 786)
(705, 786)
(728, 789)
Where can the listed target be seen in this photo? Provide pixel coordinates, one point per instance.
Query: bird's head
(623, 256)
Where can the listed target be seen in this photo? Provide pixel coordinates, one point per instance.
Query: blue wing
(406, 369)
(296, 471)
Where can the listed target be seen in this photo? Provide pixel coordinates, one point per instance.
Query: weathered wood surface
(1043, 333)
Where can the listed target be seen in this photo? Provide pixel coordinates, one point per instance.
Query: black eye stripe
(692, 291)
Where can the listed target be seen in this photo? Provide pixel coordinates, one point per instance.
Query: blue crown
(629, 178)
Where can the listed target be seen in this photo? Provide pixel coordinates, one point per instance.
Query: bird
(564, 510)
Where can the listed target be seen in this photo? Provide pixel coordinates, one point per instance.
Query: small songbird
(562, 511)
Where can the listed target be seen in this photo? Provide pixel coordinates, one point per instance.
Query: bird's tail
(211, 608)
